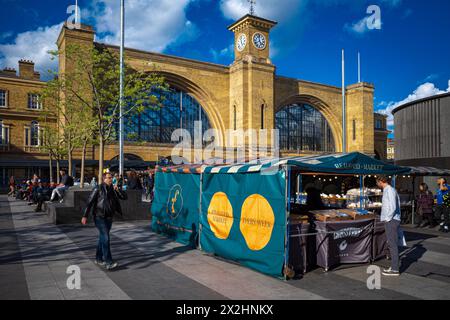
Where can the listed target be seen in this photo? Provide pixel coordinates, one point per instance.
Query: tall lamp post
(344, 118)
(122, 36)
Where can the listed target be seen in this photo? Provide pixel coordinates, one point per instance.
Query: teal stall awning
(339, 163)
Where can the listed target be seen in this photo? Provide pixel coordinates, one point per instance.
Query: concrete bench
(75, 199)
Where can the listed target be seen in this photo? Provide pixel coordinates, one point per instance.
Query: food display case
(370, 198)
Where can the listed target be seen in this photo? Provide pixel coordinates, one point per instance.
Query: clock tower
(251, 38)
(252, 77)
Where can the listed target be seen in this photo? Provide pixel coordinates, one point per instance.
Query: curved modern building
(422, 132)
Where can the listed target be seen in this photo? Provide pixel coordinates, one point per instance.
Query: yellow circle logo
(220, 215)
(257, 221)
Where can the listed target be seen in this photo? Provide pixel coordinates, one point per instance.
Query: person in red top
(425, 201)
(12, 186)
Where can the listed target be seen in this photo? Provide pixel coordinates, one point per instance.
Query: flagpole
(122, 36)
(76, 11)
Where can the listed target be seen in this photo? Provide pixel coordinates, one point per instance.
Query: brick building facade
(248, 94)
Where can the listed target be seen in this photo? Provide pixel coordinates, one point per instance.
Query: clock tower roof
(250, 20)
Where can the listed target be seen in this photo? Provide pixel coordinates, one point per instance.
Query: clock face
(259, 41)
(241, 42)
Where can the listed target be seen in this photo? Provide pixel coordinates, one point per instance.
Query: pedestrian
(93, 182)
(391, 215)
(441, 208)
(103, 203)
(12, 186)
(66, 183)
(149, 187)
(134, 183)
(425, 201)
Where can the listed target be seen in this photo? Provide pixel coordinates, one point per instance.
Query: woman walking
(425, 201)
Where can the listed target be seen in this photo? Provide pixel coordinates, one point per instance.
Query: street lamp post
(344, 116)
(122, 36)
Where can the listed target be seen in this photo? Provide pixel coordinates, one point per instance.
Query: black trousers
(442, 210)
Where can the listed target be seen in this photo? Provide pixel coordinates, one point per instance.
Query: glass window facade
(156, 124)
(303, 128)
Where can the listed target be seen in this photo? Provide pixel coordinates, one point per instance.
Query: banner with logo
(243, 219)
(344, 242)
(176, 206)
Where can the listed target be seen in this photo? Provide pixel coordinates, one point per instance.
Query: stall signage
(257, 222)
(174, 201)
(220, 215)
(347, 232)
(359, 166)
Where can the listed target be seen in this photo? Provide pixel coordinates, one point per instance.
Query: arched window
(303, 128)
(128, 157)
(157, 123)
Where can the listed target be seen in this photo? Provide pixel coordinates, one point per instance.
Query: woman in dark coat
(425, 201)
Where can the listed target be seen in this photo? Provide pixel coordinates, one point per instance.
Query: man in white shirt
(391, 215)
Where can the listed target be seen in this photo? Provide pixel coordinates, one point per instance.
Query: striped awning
(195, 169)
(428, 171)
(339, 163)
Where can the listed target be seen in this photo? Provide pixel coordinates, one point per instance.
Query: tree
(91, 84)
(51, 140)
(65, 137)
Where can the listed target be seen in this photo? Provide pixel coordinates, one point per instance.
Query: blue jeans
(103, 248)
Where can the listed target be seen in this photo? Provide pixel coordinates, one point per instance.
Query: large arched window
(303, 128)
(178, 110)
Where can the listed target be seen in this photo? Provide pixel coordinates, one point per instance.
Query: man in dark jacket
(103, 203)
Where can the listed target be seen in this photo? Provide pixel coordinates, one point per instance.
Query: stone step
(71, 210)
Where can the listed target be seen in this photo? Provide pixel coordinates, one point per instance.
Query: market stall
(249, 214)
(354, 226)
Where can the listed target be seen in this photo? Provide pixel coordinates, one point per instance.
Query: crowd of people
(433, 210)
(37, 190)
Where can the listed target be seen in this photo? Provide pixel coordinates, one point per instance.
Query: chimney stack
(26, 70)
(8, 72)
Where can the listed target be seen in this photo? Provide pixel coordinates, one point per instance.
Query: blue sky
(408, 58)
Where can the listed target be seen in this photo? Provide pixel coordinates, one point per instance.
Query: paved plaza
(35, 255)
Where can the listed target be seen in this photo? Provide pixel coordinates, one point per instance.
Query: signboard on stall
(344, 242)
(176, 206)
(244, 219)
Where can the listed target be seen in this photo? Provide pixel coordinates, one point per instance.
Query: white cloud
(226, 52)
(423, 91)
(285, 12)
(32, 45)
(359, 27)
(149, 24)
